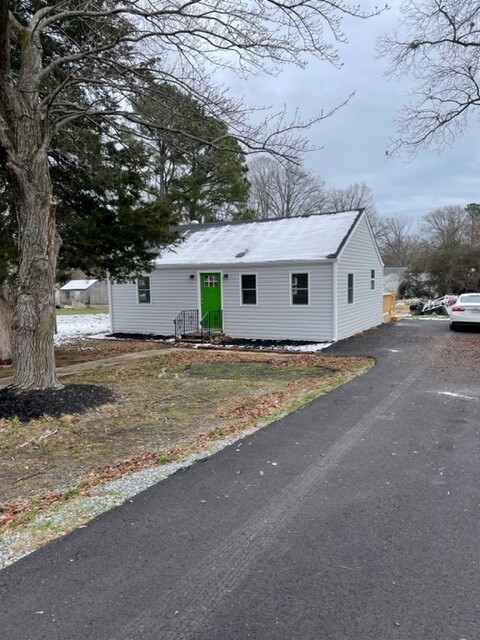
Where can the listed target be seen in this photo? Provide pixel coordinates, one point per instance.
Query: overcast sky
(354, 140)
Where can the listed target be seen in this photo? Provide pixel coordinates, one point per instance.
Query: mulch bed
(73, 398)
(223, 341)
(263, 344)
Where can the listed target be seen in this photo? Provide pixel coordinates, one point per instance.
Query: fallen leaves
(256, 408)
(155, 421)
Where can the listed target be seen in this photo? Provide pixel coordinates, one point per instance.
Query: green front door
(211, 300)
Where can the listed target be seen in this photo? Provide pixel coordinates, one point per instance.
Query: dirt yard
(165, 407)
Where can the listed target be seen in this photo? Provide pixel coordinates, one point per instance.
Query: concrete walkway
(99, 364)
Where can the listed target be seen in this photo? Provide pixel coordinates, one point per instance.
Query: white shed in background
(87, 291)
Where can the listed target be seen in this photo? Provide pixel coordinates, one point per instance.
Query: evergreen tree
(195, 162)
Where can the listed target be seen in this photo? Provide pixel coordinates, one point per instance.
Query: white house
(315, 277)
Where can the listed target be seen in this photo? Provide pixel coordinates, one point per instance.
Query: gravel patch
(79, 511)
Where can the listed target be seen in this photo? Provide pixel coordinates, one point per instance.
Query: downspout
(335, 302)
(110, 308)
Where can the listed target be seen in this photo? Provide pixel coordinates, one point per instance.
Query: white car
(466, 311)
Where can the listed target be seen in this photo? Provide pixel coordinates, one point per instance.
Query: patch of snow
(305, 348)
(309, 348)
(70, 328)
(312, 237)
(77, 285)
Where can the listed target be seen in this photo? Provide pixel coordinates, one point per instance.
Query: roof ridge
(224, 223)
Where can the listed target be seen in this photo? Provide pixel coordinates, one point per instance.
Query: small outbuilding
(83, 292)
(316, 278)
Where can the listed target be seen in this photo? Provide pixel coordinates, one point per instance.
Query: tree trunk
(34, 304)
(25, 137)
(5, 328)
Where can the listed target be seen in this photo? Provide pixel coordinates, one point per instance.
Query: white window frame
(290, 284)
(210, 284)
(373, 284)
(352, 301)
(248, 304)
(140, 302)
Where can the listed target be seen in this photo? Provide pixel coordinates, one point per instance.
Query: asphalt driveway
(357, 517)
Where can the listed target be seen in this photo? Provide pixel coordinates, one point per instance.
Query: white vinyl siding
(171, 291)
(273, 317)
(358, 257)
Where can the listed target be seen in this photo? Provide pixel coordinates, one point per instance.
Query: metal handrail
(211, 320)
(186, 321)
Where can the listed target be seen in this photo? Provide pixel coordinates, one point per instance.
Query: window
(372, 279)
(299, 288)
(350, 288)
(143, 289)
(211, 281)
(249, 289)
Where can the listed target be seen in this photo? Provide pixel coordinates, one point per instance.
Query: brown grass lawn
(87, 349)
(166, 407)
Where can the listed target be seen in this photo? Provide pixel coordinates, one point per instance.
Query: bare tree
(74, 61)
(283, 190)
(438, 44)
(447, 226)
(395, 241)
(358, 195)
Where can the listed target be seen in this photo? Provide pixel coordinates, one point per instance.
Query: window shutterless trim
(147, 289)
(350, 288)
(307, 288)
(242, 289)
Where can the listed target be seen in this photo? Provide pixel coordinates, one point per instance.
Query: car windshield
(469, 297)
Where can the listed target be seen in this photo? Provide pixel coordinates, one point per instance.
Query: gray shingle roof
(304, 238)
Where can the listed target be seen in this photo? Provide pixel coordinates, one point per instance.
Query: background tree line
(445, 256)
(442, 257)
